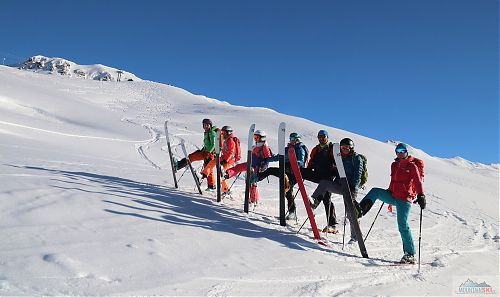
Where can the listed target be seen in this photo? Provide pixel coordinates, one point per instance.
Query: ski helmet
(322, 133)
(261, 133)
(294, 136)
(207, 121)
(347, 142)
(227, 129)
(401, 147)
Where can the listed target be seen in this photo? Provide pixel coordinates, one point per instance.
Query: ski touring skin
(349, 205)
(281, 146)
(171, 156)
(217, 165)
(249, 168)
(298, 177)
(195, 177)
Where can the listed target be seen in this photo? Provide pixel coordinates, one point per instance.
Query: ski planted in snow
(195, 177)
(298, 177)
(349, 205)
(281, 146)
(249, 168)
(171, 156)
(217, 164)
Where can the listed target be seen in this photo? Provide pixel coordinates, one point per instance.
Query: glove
(420, 200)
(223, 162)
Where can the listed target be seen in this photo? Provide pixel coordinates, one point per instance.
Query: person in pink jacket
(406, 184)
(260, 153)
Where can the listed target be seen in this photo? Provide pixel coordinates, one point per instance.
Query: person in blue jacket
(302, 155)
(353, 166)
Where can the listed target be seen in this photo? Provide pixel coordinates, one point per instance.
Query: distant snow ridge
(61, 66)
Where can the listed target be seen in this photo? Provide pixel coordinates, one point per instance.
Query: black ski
(348, 200)
(171, 156)
(195, 177)
(217, 164)
(249, 167)
(281, 146)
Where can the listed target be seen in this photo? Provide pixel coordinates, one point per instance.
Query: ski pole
(185, 170)
(303, 225)
(419, 240)
(374, 221)
(234, 181)
(343, 232)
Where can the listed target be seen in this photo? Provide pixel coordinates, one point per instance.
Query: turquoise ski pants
(403, 211)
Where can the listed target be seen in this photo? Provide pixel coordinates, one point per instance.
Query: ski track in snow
(142, 147)
(69, 135)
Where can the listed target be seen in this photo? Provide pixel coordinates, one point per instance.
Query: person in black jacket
(321, 166)
(353, 166)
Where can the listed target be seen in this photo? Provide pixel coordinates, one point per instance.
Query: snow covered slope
(88, 206)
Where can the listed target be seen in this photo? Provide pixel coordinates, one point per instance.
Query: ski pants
(275, 171)
(208, 170)
(199, 156)
(254, 193)
(332, 186)
(403, 211)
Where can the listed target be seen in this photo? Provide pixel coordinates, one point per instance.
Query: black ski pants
(275, 171)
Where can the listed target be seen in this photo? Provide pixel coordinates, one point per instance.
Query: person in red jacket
(406, 184)
(229, 155)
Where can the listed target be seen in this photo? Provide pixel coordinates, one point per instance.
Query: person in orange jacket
(230, 153)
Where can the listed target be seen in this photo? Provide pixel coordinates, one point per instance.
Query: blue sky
(423, 72)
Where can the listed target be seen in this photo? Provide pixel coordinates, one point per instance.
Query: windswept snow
(88, 205)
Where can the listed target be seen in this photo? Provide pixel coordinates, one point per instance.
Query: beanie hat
(323, 132)
(401, 146)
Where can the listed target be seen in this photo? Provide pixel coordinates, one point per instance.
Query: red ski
(298, 177)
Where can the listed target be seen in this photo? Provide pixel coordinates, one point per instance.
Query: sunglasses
(345, 147)
(321, 136)
(401, 151)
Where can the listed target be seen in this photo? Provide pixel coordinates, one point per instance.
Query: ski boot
(210, 189)
(175, 163)
(407, 259)
(314, 202)
(292, 216)
(330, 229)
(352, 240)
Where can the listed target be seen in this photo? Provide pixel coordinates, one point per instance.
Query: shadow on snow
(158, 203)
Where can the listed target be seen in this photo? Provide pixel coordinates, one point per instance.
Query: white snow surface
(88, 206)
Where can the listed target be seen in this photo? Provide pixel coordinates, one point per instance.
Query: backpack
(420, 166)
(364, 175)
(237, 152)
(306, 150)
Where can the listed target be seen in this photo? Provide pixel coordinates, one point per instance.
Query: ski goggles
(401, 151)
(345, 147)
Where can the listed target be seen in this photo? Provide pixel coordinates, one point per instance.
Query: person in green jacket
(207, 152)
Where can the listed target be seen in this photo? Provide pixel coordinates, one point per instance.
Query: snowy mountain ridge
(65, 67)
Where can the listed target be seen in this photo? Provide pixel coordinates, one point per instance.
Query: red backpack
(237, 152)
(420, 166)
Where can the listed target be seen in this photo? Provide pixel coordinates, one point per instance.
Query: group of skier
(319, 167)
